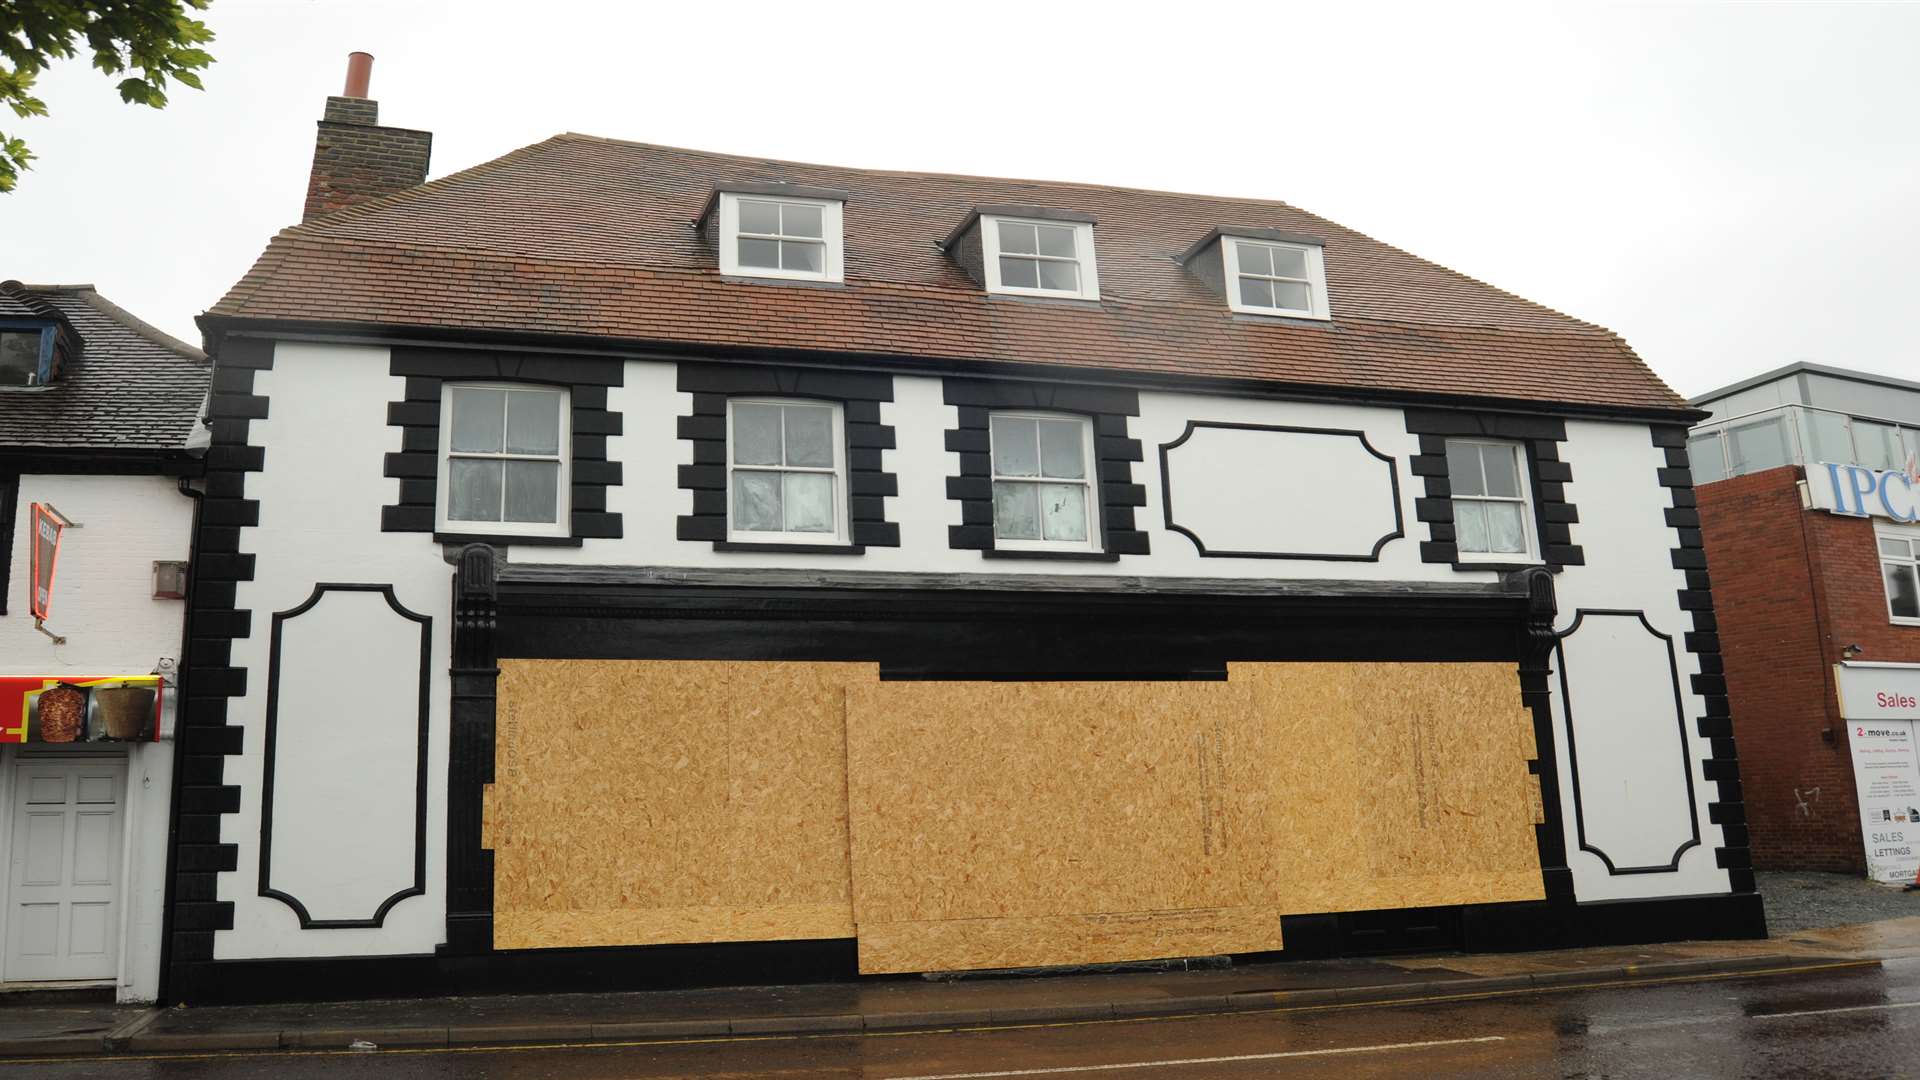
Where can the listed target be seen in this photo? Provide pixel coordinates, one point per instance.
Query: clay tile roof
(130, 387)
(580, 235)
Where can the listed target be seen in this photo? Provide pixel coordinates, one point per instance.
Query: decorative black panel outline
(1166, 493)
(419, 886)
(1573, 752)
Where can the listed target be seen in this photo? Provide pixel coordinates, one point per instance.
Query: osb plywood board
(648, 803)
(1013, 824)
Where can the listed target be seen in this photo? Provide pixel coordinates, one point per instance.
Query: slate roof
(132, 388)
(581, 235)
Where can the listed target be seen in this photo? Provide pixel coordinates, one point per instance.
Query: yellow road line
(1385, 1003)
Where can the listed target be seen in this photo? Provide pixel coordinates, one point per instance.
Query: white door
(63, 885)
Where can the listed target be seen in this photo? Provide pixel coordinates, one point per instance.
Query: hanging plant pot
(63, 714)
(125, 710)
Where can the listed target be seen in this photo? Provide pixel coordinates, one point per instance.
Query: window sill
(1051, 556)
(503, 539)
(736, 278)
(1500, 567)
(790, 549)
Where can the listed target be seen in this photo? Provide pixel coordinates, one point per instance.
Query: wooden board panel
(647, 803)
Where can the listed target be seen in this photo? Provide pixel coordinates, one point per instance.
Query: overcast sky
(1730, 187)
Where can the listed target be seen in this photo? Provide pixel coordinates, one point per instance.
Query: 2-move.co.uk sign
(1858, 491)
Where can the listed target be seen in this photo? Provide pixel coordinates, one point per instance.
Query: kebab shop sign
(1880, 704)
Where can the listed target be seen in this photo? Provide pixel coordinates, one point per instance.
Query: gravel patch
(1808, 901)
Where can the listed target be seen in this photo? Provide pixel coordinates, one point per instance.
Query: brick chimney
(354, 158)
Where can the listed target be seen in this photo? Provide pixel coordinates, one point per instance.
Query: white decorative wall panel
(1267, 492)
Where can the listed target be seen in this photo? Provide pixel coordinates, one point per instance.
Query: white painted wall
(103, 604)
(320, 499)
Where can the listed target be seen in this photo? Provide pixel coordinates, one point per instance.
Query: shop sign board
(1871, 691)
(46, 524)
(1857, 491)
(1881, 705)
(84, 708)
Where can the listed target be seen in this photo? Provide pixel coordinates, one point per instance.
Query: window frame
(1096, 532)
(562, 525)
(1316, 280)
(1084, 256)
(842, 498)
(1529, 519)
(832, 238)
(1912, 538)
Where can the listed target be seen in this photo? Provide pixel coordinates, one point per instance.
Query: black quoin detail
(1537, 641)
(1116, 497)
(9, 509)
(858, 394)
(1728, 808)
(1371, 555)
(1540, 437)
(475, 679)
(418, 886)
(416, 465)
(1680, 723)
(203, 738)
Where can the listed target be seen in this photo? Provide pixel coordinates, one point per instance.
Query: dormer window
(26, 355)
(763, 234)
(1040, 258)
(1268, 277)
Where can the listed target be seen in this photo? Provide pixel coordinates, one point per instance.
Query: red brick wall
(1791, 588)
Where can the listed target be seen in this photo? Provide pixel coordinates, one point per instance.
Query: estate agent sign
(1880, 704)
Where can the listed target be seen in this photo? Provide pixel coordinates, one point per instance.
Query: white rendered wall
(103, 604)
(1629, 566)
(320, 498)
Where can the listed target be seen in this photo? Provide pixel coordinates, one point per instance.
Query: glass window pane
(1903, 591)
(1064, 276)
(478, 419)
(810, 436)
(1254, 258)
(1470, 525)
(1016, 239)
(1506, 528)
(1874, 445)
(475, 490)
(1016, 511)
(1463, 469)
(1292, 296)
(1063, 511)
(1256, 292)
(756, 501)
(1894, 547)
(1758, 446)
(1289, 262)
(1707, 458)
(809, 498)
(756, 434)
(533, 422)
(1503, 477)
(1827, 437)
(19, 358)
(760, 253)
(1063, 449)
(533, 491)
(1015, 447)
(1019, 273)
(803, 256)
(759, 217)
(800, 219)
(1056, 241)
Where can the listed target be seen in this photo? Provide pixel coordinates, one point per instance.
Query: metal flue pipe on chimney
(359, 74)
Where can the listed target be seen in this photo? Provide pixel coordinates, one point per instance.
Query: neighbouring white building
(99, 429)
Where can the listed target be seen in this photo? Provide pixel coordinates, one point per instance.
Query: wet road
(1855, 1022)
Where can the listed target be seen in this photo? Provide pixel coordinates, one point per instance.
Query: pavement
(50, 1031)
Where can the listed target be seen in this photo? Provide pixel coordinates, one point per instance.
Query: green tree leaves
(154, 41)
